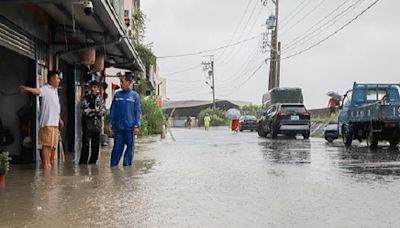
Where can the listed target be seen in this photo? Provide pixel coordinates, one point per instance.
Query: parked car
(331, 131)
(285, 118)
(247, 122)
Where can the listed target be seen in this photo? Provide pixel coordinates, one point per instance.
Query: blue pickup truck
(371, 112)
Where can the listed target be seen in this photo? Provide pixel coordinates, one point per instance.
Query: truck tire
(372, 140)
(394, 140)
(274, 134)
(306, 135)
(347, 135)
(261, 132)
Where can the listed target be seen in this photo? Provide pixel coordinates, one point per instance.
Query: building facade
(79, 40)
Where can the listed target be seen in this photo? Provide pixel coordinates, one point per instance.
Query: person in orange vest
(332, 106)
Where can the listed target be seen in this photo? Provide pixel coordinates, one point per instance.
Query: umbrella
(334, 95)
(232, 114)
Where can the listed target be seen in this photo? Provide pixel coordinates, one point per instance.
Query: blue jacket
(125, 111)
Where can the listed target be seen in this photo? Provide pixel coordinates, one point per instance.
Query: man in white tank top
(50, 120)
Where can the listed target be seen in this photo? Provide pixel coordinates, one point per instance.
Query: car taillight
(281, 113)
(306, 113)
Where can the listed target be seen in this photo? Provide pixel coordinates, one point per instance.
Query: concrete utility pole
(209, 67)
(274, 68)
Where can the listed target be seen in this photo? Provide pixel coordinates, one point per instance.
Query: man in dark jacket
(92, 111)
(124, 121)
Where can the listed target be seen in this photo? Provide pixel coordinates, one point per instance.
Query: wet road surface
(213, 179)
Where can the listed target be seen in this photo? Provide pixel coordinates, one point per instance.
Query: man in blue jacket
(124, 121)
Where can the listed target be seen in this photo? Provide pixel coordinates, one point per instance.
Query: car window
(293, 108)
(251, 118)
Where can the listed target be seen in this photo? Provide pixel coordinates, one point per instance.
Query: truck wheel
(372, 140)
(393, 143)
(261, 132)
(274, 134)
(347, 134)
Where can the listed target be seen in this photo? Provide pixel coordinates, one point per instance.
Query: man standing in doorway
(50, 120)
(124, 121)
(92, 111)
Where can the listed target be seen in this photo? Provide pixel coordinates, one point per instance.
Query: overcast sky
(365, 51)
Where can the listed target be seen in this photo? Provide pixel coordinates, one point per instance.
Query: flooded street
(213, 179)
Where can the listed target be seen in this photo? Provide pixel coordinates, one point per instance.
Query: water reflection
(292, 151)
(361, 160)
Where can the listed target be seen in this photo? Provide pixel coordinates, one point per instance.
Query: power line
(321, 28)
(209, 50)
(238, 26)
(316, 24)
(182, 71)
(248, 79)
(302, 19)
(297, 13)
(292, 11)
(232, 53)
(334, 33)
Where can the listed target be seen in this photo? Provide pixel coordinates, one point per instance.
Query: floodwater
(213, 179)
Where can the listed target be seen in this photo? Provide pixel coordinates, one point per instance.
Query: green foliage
(4, 163)
(217, 117)
(325, 118)
(141, 87)
(152, 116)
(146, 54)
(250, 110)
(139, 25)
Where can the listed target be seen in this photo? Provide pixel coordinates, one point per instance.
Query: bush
(250, 110)
(152, 117)
(4, 163)
(217, 117)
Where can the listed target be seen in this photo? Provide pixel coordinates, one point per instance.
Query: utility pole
(274, 68)
(209, 67)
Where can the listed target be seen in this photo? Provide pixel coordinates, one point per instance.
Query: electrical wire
(321, 29)
(284, 30)
(283, 20)
(238, 26)
(209, 50)
(297, 13)
(247, 80)
(332, 34)
(182, 71)
(304, 34)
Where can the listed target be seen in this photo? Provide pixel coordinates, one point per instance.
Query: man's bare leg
(53, 156)
(46, 151)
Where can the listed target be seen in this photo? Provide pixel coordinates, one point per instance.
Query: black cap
(128, 76)
(94, 83)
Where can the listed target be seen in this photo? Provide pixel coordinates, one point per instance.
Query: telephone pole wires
(208, 66)
(274, 67)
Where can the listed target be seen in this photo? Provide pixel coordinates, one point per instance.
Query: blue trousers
(123, 138)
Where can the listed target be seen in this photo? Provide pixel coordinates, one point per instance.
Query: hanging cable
(332, 34)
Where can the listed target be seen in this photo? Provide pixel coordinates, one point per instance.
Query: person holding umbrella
(234, 115)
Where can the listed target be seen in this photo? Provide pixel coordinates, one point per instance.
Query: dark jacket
(92, 111)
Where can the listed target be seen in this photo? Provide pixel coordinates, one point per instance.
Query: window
(293, 108)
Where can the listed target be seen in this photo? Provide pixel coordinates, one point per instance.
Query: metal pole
(277, 46)
(213, 81)
(278, 65)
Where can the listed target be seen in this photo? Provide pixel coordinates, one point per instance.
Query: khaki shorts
(48, 136)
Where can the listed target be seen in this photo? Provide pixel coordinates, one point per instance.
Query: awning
(76, 31)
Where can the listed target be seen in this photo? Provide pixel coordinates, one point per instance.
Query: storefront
(48, 35)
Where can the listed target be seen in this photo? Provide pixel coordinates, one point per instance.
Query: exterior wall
(15, 70)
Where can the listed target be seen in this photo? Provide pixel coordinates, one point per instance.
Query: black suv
(287, 119)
